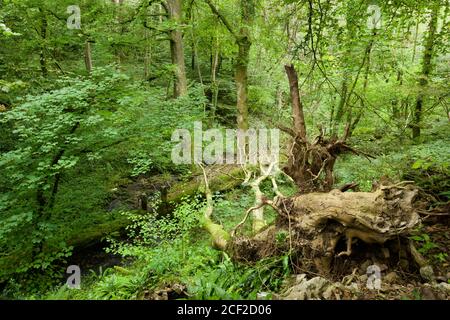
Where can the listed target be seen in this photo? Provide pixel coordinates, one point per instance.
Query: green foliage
(32, 284)
(148, 230)
(431, 168)
(7, 32)
(425, 242)
(281, 237)
(158, 250)
(231, 281)
(427, 163)
(429, 246)
(153, 268)
(66, 145)
(441, 257)
(71, 141)
(141, 164)
(50, 131)
(416, 294)
(117, 287)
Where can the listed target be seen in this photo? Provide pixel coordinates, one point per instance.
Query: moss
(223, 181)
(93, 234)
(219, 236)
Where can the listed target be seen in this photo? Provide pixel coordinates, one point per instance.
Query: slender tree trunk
(195, 52)
(199, 70)
(42, 57)
(119, 28)
(426, 70)
(214, 84)
(88, 56)
(177, 49)
(190, 18)
(244, 45)
(193, 61)
(415, 40)
(241, 78)
(396, 103)
(339, 113)
(220, 62)
(297, 106)
(368, 53)
(243, 56)
(279, 98)
(146, 56)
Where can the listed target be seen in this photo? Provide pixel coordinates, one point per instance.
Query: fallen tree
(316, 220)
(136, 195)
(314, 223)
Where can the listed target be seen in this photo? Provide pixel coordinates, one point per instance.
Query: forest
(224, 150)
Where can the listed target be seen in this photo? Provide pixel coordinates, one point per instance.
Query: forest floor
(191, 269)
(400, 278)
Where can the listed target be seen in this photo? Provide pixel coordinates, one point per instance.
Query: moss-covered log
(221, 178)
(94, 234)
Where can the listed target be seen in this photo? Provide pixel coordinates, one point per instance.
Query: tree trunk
(352, 125)
(241, 78)
(426, 70)
(118, 28)
(214, 84)
(310, 165)
(297, 106)
(88, 56)
(244, 45)
(196, 59)
(42, 57)
(243, 56)
(147, 57)
(177, 48)
(416, 34)
(341, 106)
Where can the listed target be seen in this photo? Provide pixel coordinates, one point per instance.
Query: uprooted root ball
(316, 222)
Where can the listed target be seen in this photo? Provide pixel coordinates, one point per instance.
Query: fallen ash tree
(320, 224)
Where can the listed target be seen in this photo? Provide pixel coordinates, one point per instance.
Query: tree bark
(244, 45)
(88, 56)
(241, 78)
(426, 70)
(42, 57)
(177, 48)
(297, 106)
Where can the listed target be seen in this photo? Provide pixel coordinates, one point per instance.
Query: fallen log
(222, 178)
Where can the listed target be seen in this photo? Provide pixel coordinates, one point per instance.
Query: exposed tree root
(311, 164)
(316, 222)
(310, 226)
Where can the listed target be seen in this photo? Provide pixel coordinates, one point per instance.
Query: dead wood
(316, 222)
